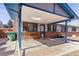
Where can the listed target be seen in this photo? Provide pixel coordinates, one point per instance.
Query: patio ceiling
(38, 16)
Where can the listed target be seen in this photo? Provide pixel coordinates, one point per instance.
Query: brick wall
(3, 32)
(15, 26)
(30, 35)
(53, 34)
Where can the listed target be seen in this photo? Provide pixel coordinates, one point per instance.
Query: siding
(69, 29)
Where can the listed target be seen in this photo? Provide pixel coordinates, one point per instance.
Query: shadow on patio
(3, 41)
(4, 52)
(52, 42)
(5, 48)
(44, 43)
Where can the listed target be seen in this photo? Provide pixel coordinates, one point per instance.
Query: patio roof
(13, 10)
(38, 16)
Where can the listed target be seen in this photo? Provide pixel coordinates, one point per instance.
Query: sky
(4, 16)
(75, 8)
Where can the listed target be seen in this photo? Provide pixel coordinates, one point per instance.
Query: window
(31, 27)
(73, 29)
(25, 27)
(52, 27)
(48, 27)
(35, 27)
(62, 29)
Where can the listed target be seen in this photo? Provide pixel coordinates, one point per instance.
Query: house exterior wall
(36, 35)
(15, 25)
(58, 28)
(30, 35)
(69, 29)
(49, 7)
(55, 34)
(77, 29)
(4, 31)
(70, 33)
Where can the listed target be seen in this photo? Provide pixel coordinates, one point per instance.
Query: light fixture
(36, 18)
(49, 20)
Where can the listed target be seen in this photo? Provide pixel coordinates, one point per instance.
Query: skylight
(36, 18)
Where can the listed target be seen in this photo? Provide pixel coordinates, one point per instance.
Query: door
(42, 31)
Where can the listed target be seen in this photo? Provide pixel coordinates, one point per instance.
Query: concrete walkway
(7, 48)
(49, 47)
(40, 47)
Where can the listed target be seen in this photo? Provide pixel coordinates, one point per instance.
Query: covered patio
(42, 46)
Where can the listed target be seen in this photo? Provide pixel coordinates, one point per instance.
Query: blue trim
(43, 10)
(67, 9)
(65, 31)
(60, 21)
(71, 10)
(54, 7)
(13, 10)
(19, 26)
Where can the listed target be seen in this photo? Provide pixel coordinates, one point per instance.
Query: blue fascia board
(59, 21)
(67, 9)
(13, 10)
(72, 10)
